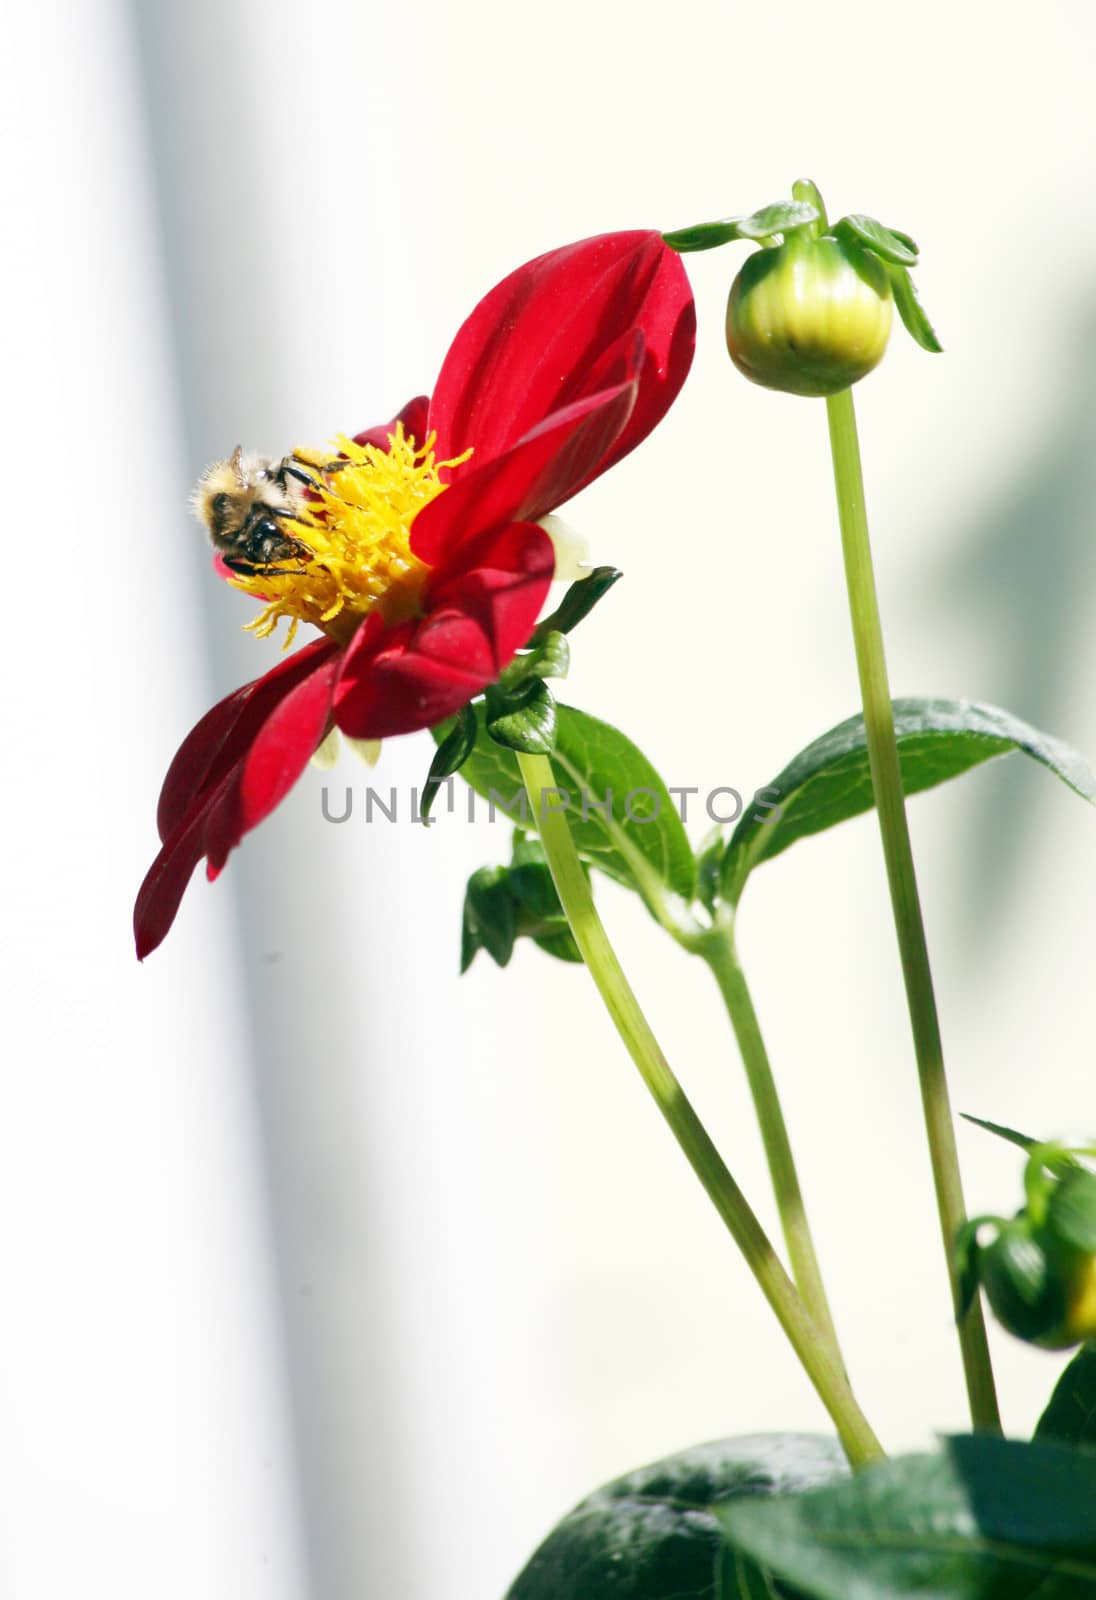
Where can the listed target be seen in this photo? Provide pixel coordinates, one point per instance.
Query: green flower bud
(810, 317)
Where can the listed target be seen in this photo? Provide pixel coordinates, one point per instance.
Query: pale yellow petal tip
(367, 750)
(326, 754)
(572, 550)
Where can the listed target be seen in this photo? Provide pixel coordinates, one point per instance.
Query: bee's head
(222, 495)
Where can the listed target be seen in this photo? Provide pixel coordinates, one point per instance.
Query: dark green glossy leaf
(622, 817)
(1026, 1297)
(1071, 1413)
(911, 310)
(887, 243)
(561, 945)
(519, 901)
(523, 721)
(1008, 1134)
(653, 1535)
(577, 603)
(987, 1519)
(488, 917)
(830, 780)
(548, 657)
(450, 756)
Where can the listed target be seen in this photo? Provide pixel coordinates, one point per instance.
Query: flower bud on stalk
(1038, 1269)
(810, 312)
(810, 317)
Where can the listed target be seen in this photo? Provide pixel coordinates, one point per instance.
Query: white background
(323, 1273)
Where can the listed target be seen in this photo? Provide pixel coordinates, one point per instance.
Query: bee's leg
(336, 464)
(289, 470)
(261, 569)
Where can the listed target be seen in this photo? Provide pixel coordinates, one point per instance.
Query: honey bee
(244, 503)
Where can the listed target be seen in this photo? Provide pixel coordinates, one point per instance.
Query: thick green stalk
(822, 1368)
(718, 950)
(891, 806)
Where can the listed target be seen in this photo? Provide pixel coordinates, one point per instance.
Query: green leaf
(887, 243)
(1071, 1412)
(709, 860)
(548, 657)
(783, 217)
(654, 1535)
(488, 917)
(1008, 1134)
(911, 310)
(622, 816)
(577, 603)
(703, 235)
(519, 901)
(988, 1519)
(561, 945)
(830, 780)
(450, 756)
(524, 721)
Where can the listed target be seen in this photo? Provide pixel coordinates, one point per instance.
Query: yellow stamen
(356, 522)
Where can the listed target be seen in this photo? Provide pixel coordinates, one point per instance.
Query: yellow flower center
(355, 520)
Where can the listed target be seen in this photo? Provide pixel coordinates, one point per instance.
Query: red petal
(225, 731)
(501, 579)
(162, 891)
(524, 483)
(279, 753)
(230, 773)
(413, 416)
(395, 681)
(530, 347)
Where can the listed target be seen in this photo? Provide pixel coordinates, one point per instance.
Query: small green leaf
(703, 235)
(806, 190)
(1071, 1412)
(830, 780)
(783, 217)
(530, 880)
(1071, 1212)
(709, 859)
(561, 945)
(524, 721)
(888, 243)
(577, 603)
(654, 1534)
(987, 1518)
(488, 916)
(450, 756)
(549, 657)
(911, 310)
(519, 901)
(1008, 1134)
(622, 816)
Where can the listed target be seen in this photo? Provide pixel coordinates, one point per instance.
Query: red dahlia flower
(428, 566)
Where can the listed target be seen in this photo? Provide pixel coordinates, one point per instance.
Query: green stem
(821, 1367)
(891, 806)
(719, 951)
